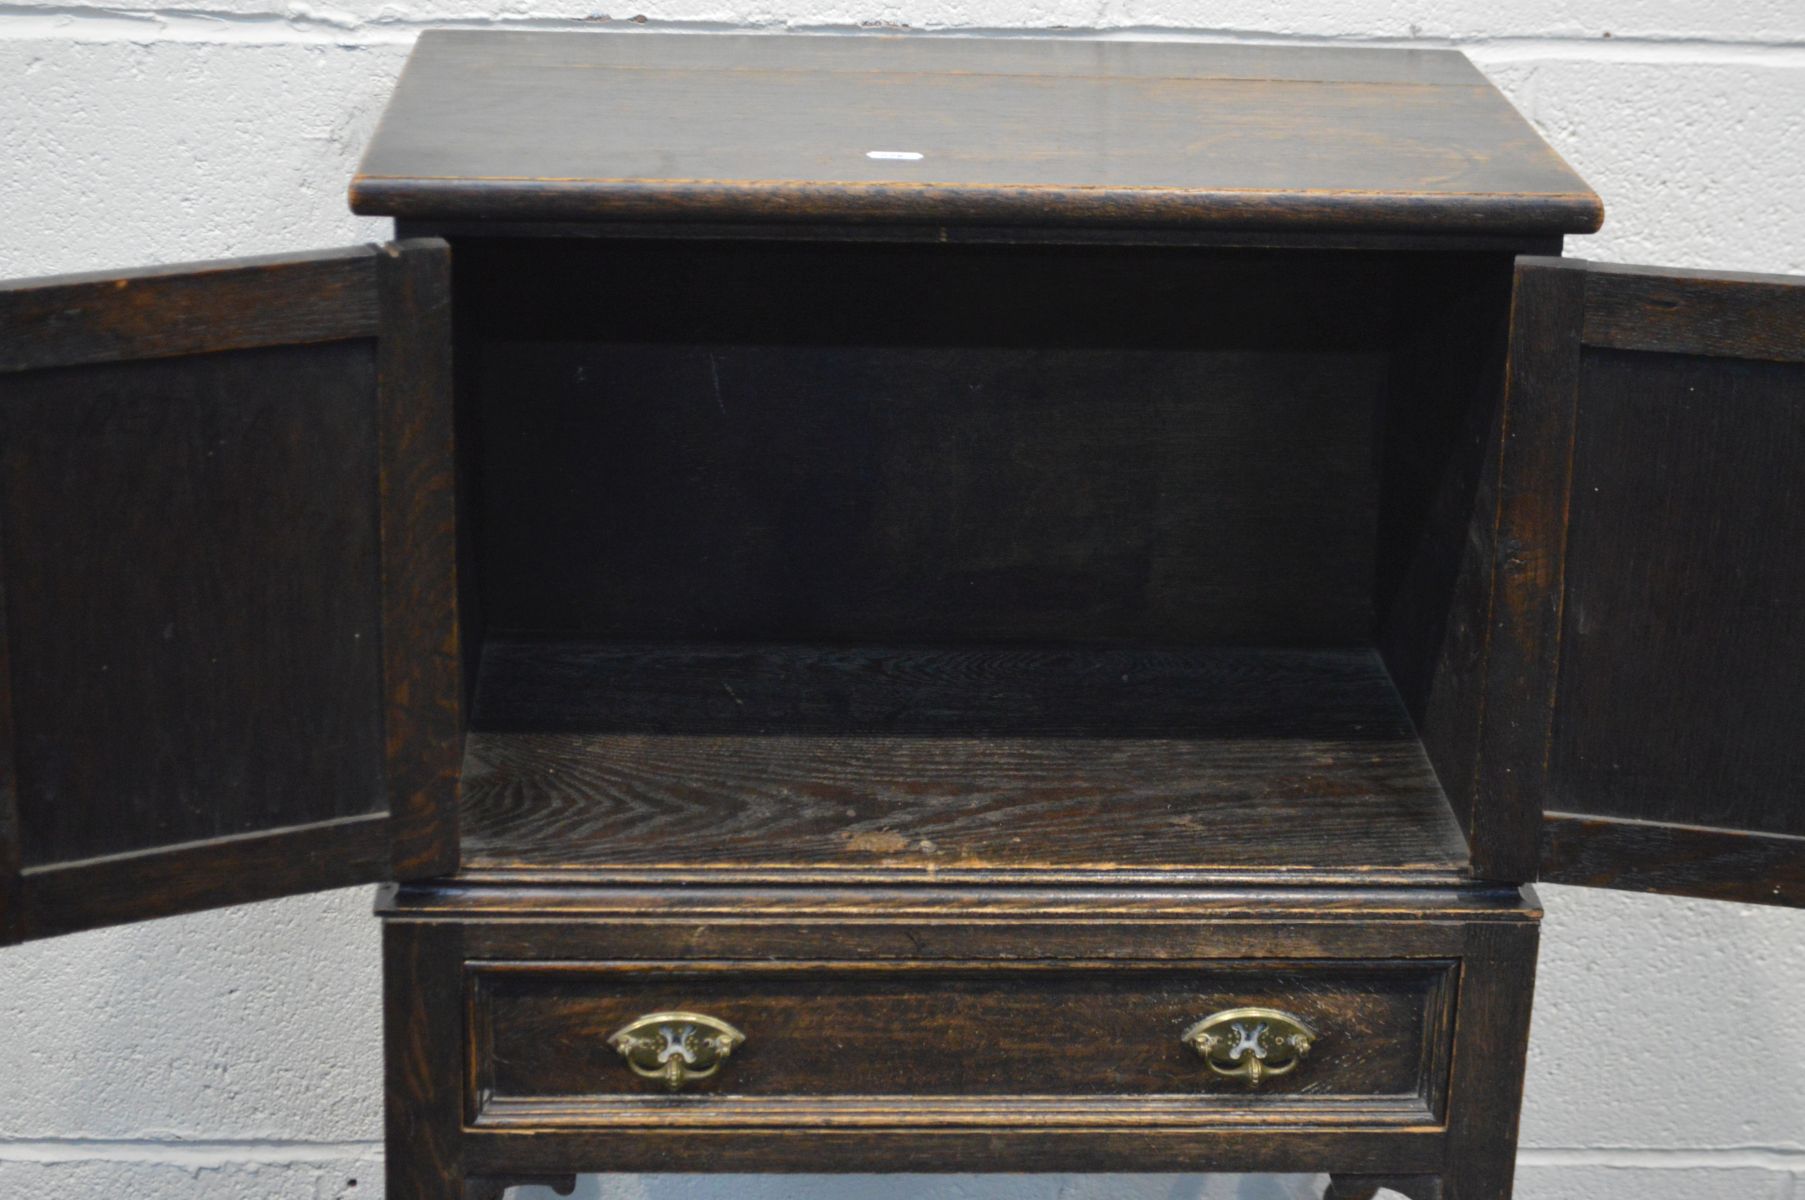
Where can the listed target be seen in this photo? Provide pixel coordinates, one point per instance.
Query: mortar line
(181, 1152)
(201, 1152)
(1782, 1159)
(175, 24)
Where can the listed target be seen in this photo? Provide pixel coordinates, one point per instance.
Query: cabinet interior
(816, 561)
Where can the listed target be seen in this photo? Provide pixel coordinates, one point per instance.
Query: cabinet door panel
(225, 547)
(1657, 717)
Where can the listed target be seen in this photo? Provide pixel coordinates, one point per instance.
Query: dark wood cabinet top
(491, 126)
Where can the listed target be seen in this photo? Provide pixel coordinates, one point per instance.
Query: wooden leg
(424, 1081)
(1486, 1080)
(1498, 975)
(492, 1189)
(1365, 1187)
(422, 1020)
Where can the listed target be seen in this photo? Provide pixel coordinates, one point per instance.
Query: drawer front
(955, 1042)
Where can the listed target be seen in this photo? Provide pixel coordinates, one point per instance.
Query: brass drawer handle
(677, 1047)
(1251, 1043)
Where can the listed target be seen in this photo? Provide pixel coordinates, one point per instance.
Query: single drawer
(957, 1043)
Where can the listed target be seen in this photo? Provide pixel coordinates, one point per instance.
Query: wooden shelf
(618, 763)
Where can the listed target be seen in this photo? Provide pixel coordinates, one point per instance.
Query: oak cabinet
(916, 604)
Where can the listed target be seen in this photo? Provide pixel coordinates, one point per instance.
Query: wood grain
(556, 964)
(496, 1188)
(1025, 130)
(1284, 1145)
(1683, 653)
(1719, 313)
(1524, 615)
(792, 763)
(923, 922)
(1662, 576)
(214, 493)
(424, 722)
(195, 308)
(1677, 860)
(1366, 1187)
(423, 1094)
(944, 1036)
(68, 897)
(992, 234)
(496, 914)
(178, 673)
(1491, 1043)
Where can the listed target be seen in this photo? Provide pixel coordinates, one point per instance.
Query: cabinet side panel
(1440, 440)
(192, 597)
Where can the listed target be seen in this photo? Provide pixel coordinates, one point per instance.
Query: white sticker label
(895, 155)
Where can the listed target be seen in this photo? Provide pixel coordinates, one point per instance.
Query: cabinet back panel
(128, 495)
(1683, 655)
(770, 441)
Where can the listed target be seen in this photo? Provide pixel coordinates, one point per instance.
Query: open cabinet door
(228, 659)
(1646, 704)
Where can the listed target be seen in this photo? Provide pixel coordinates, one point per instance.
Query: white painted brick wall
(235, 1054)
